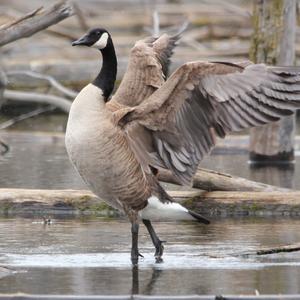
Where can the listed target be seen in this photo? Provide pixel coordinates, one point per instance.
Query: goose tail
(157, 210)
(198, 217)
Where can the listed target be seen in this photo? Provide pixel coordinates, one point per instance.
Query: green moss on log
(87, 205)
(5, 208)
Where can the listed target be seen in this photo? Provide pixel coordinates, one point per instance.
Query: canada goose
(117, 145)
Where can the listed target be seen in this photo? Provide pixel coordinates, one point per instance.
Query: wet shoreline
(91, 256)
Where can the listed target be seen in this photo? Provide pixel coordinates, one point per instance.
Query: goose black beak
(84, 40)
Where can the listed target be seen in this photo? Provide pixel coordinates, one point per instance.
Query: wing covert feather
(147, 69)
(202, 100)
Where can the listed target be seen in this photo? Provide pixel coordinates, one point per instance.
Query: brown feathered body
(100, 152)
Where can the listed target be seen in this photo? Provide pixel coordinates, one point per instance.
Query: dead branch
(156, 23)
(210, 180)
(5, 147)
(3, 82)
(23, 117)
(20, 19)
(286, 248)
(27, 26)
(23, 96)
(273, 250)
(62, 33)
(52, 81)
(80, 16)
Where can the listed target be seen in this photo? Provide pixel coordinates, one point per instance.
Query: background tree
(273, 43)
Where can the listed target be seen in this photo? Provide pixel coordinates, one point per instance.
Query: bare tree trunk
(274, 43)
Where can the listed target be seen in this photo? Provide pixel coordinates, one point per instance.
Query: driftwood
(210, 180)
(23, 96)
(27, 201)
(23, 117)
(5, 147)
(280, 249)
(49, 79)
(34, 22)
(246, 203)
(80, 16)
(26, 26)
(272, 250)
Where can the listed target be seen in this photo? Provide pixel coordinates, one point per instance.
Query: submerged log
(280, 249)
(76, 202)
(210, 180)
(272, 250)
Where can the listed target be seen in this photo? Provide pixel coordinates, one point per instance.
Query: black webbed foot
(158, 244)
(159, 251)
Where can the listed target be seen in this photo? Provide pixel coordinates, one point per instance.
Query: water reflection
(149, 285)
(91, 256)
(278, 175)
(47, 166)
(135, 290)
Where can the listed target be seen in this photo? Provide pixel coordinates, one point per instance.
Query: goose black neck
(106, 78)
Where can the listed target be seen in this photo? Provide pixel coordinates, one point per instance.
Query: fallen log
(76, 202)
(23, 96)
(210, 180)
(221, 203)
(49, 79)
(35, 21)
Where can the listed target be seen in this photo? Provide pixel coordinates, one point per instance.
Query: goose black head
(96, 38)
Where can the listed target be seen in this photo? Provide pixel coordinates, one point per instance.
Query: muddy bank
(82, 202)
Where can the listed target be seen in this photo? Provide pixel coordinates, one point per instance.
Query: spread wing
(201, 100)
(147, 69)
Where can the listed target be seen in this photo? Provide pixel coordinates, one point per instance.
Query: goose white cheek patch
(102, 42)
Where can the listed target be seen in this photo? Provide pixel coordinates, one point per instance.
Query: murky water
(40, 161)
(91, 256)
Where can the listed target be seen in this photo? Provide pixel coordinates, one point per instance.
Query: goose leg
(134, 246)
(158, 244)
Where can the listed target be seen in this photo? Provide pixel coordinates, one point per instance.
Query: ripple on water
(122, 260)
